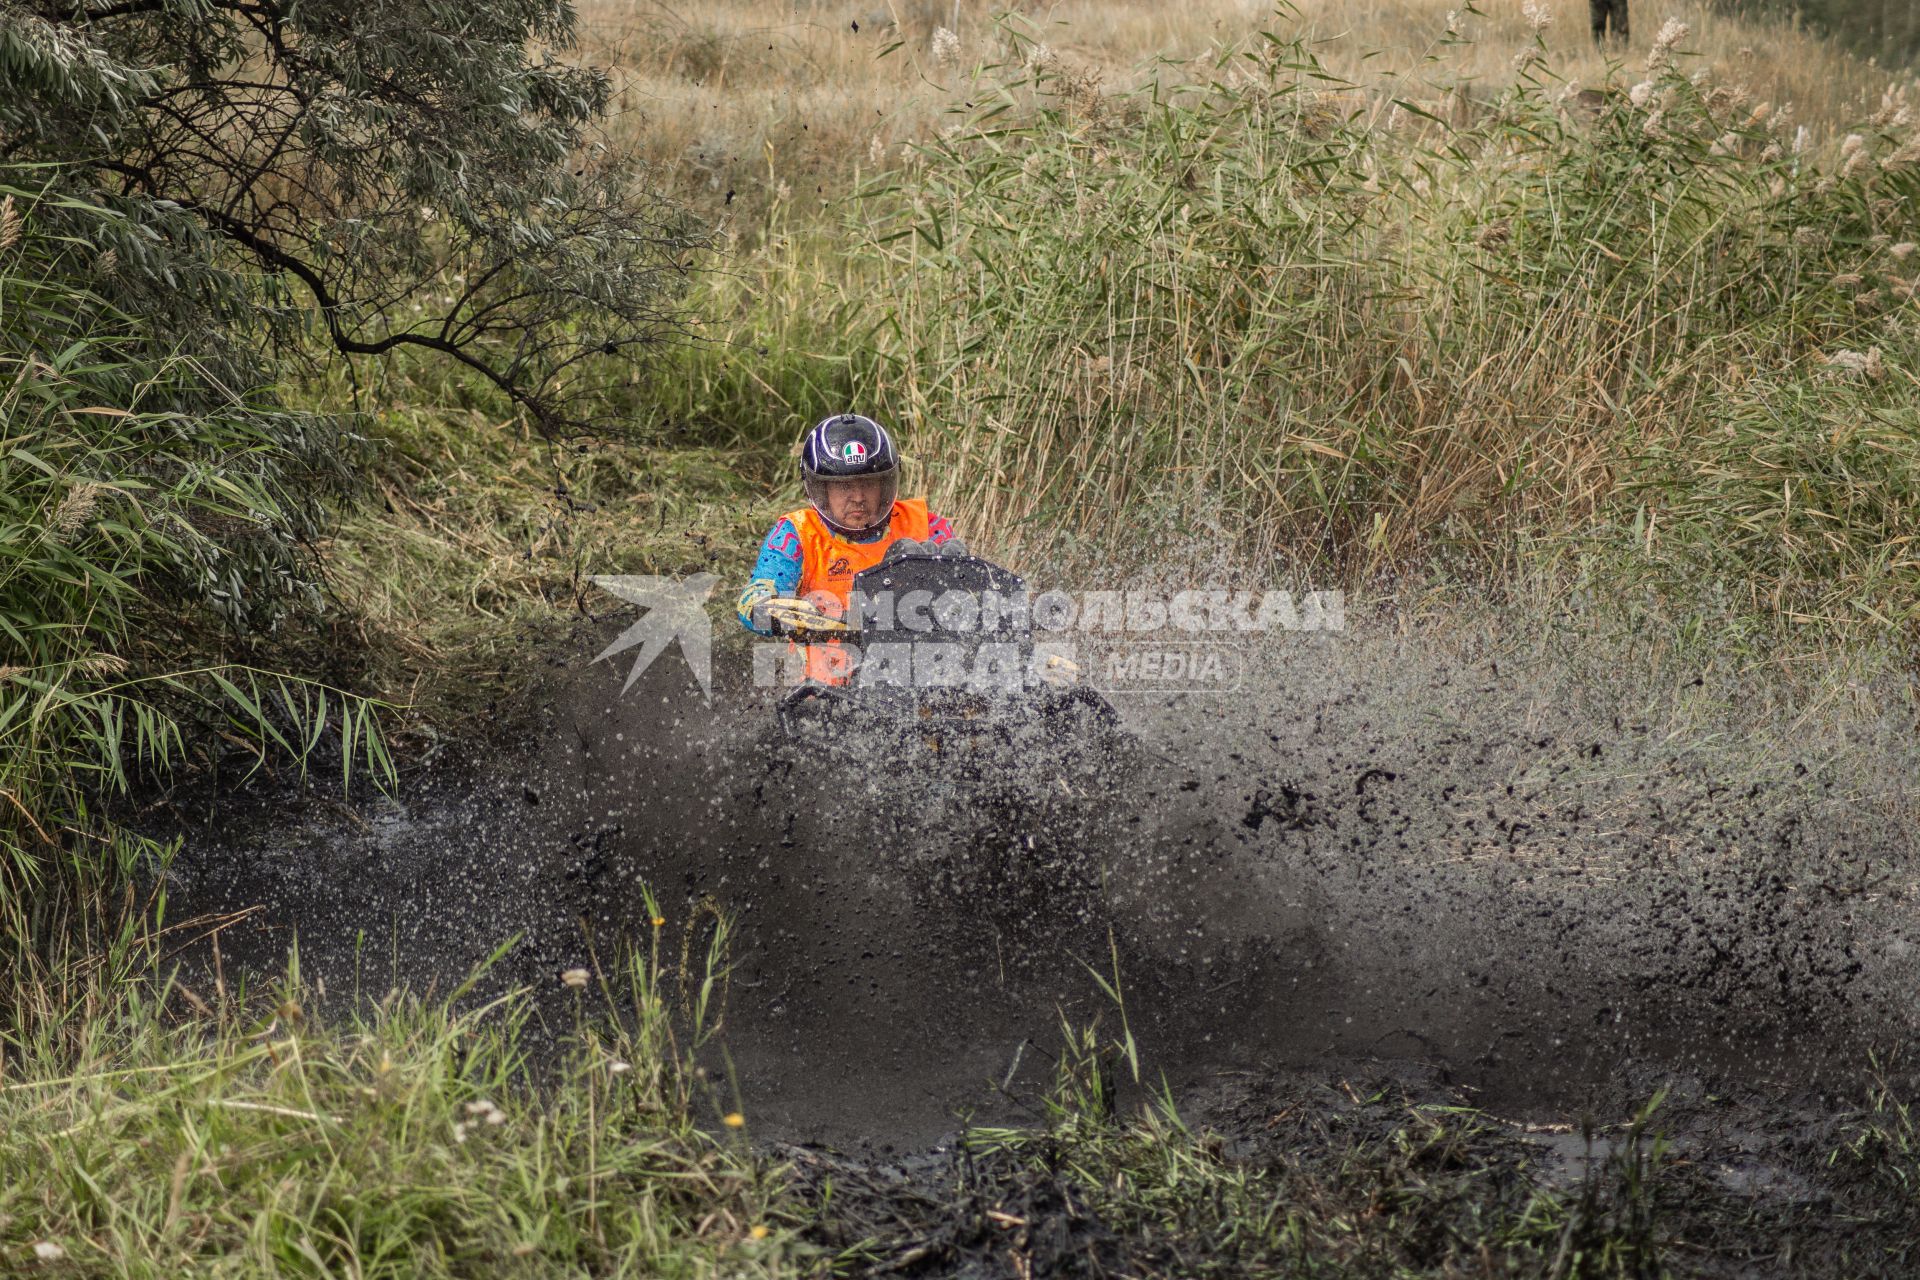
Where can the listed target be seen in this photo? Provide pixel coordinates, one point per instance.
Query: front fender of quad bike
(817, 713)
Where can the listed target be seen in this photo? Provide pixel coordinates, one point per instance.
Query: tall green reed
(151, 516)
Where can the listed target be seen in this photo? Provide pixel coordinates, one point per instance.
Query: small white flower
(577, 978)
(480, 1108)
(876, 150)
(459, 1131)
(618, 1068)
(48, 1251)
(946, 47)
(496, 1117)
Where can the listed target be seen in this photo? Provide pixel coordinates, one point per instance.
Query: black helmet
(848, 462)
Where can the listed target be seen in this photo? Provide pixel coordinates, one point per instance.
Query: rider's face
(855, 503)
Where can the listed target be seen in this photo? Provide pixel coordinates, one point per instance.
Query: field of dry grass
(736, 99)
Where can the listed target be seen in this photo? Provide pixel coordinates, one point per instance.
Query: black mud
(1543, 884)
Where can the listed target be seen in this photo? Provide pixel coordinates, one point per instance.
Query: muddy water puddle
(1539, 910)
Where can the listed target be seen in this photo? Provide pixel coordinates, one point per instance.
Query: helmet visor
(854, 504)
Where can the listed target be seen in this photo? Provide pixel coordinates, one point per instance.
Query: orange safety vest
(827, 565)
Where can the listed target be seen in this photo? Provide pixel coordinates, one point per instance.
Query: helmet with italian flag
(852, 474)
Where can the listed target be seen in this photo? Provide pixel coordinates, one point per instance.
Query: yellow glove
(758, 592)
(1060, 670)
(801, 619)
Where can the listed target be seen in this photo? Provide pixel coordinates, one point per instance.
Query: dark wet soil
(1442, 870)
(1386, 1168)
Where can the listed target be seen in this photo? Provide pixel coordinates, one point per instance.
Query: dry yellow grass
(738, 101)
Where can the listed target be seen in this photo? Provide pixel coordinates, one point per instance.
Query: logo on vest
(838, 567)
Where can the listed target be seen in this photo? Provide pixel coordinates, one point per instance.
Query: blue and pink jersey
(779, 562)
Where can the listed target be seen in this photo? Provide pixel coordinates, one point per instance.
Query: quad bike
(962, 751)
(947, 670)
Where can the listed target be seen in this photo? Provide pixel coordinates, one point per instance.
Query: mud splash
(1548, 875)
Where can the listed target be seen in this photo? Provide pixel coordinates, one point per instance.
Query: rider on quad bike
(800, 585)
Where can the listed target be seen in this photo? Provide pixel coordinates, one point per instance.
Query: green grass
(477, 538)
(156, 1130)
(154, 508)
(151, 1128)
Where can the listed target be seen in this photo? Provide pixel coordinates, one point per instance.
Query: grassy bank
(168, 1130)
(477, 538)
(156, 1131)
